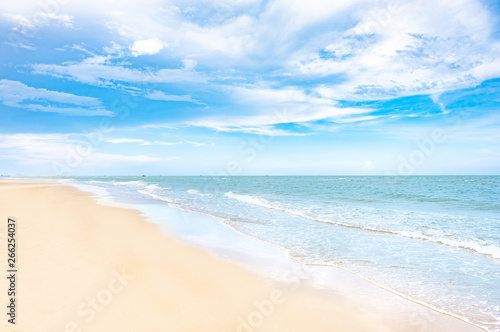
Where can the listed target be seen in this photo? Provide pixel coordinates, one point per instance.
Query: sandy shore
(83, 266)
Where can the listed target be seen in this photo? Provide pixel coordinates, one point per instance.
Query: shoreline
(282, 252)
(348, 313)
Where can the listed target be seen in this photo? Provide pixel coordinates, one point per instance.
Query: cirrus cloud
(19, 95)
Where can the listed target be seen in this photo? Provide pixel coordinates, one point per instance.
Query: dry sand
(83, 266)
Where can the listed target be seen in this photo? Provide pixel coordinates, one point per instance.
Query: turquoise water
(432, 239)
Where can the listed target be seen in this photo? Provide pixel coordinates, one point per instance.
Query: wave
(66, 180)
(197, 192)
(484, 249)
(157, 197)
(128, 183)
(152, 191)
(254, 200)
(155, 187)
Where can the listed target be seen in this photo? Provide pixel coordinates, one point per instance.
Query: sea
(434, 240)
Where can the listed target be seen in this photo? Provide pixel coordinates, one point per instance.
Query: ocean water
(432, 239)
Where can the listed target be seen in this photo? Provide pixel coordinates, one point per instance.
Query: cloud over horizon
(277, 68)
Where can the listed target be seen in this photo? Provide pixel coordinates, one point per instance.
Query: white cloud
(269, 96)
(160, 95)
(376, 57)
(138, 140)
(161, 143)
(153, 143)
(263, 124)
(294, 16)
(406, 50)
(26, 45)
(26, 24)
(392, 50)
(99, 70)
(108, 159)
(263, 130)
(50, 149)
(78, 47)
(197, 144)
(358, 119)
(124, 140)
(34, 148)
(189, 64)
(19, 95)
(388, 50)
(147, 47)
(369, 165)
(114, 49)
(270, 107)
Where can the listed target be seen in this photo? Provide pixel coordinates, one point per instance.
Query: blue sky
(241, 87)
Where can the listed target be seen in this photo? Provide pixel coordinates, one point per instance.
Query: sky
(249, 87)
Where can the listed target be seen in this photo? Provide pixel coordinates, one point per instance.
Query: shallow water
(433, 239)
